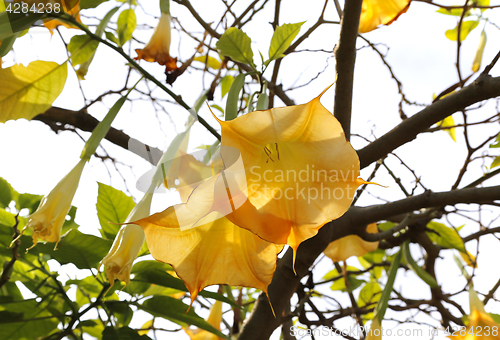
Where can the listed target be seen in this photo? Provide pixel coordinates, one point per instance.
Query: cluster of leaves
(37, 302)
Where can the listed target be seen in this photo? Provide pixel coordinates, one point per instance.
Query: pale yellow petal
(380, 12)
(352, 245)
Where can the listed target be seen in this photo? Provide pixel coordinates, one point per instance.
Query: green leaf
(84, 251)
(124, 333)
(225, 85)
(262, 102)
(495, 163)
(448, 121)
(386, 225)
(81, 48)
(339, 284)
(421, 273)
(233, 97)
(444, 236)
(453, 11)
(372, 257)
(465, 29)
(7, 218)
(175, 310)
(112, 206)
(86, 4)
(282, 39)
(21, 327)
(369, 295)
(7, 43)
(120, 310)
(111, 37)
(212, 62)
(6, 193)
(476, 64)
(28, 91)
(386, 294)
(28, 201)
(235, 44)
(497, 142)
(127, 23)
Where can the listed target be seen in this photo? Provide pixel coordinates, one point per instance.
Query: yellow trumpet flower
(481, 325)
(380, 12)
(127, 244)
(352, 245)
(48, 219)
(214, 319)
(158, 47)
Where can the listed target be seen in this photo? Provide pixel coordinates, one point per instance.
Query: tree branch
(346, 58)
(57, 117)
(484, 87)
(262, 323)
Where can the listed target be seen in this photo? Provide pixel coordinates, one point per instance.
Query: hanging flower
(481, 325)
(300, 171)
(288, 172)
(214, 319)
(73, 11)
(214, 252)
(127, 244)
(352, 245)
(158, 47)
(47, 221)
(375, 331)
(380, 12)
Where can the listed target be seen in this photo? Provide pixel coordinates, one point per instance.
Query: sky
(34, 158)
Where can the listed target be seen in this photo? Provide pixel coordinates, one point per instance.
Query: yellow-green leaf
(445, 236)
(496, 162)
(448, 121)
(28, 91)
(465, 28)
(235, 44)
(281, 40)
(127, 22)
(225, 85)
(370, 294)
(212, 62)
(479, 53)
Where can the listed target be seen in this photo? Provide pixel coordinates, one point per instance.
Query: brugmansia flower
(73, 11)
(186, 173)
(48, 219)
(481, 325)
(380, 12)
(214, 319)
(352, 245)
(300, 170)
(158, 47)
(293, 171)
(214, 252)
(127, 244)
(375, 331)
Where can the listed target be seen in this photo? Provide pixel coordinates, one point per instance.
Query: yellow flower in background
(127, 244)
(481, 325)
(375, 331)
(352, 245)
(158, 47)
(47, 221)
(73, 10)
(380, 12)
(214, 319)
